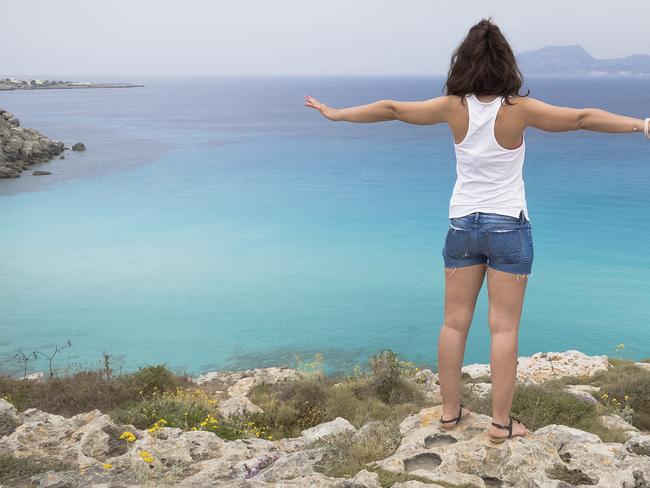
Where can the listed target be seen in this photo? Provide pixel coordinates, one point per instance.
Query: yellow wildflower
(129, 436)
(146, 456)
(626, 397)
(107, 466)
(605, 396)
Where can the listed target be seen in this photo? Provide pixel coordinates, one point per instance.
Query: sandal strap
(457, 419)
(509, 426)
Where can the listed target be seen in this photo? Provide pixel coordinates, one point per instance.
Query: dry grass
(349, 452)
(14, 471)
(87, 390)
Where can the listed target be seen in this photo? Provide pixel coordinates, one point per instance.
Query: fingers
(311, 102)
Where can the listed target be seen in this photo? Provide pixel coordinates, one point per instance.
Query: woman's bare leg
(506, 296)
(462, 286)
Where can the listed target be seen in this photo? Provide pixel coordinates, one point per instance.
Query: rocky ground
(20, 148)
(554, 456)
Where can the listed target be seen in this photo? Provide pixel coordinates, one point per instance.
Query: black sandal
(456, 420)
(509, 427)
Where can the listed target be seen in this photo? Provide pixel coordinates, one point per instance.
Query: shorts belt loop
(522, 217)
(475, 217)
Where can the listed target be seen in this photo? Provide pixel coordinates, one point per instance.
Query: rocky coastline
(14, 84)
(21, 147)
(426, 456)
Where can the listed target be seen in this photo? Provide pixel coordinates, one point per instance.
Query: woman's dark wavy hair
(484, 64)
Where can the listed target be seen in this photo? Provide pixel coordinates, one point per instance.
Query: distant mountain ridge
(574, 60)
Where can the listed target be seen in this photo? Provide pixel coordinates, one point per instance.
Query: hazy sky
(292, 36)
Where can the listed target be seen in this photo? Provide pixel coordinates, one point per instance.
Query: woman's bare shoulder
(519, 100)
(456, 101)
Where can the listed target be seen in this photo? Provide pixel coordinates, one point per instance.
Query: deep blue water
(218, 223)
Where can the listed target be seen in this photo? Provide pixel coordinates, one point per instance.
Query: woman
(489, 228)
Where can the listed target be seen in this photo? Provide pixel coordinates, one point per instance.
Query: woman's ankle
(501, 419)
(451, 408)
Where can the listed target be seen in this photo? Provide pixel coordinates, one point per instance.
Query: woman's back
(489, 174)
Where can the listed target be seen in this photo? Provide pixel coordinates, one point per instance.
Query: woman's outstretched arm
(423, 112)
(553, 118)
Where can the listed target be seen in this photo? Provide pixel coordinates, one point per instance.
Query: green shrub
(150, 379)
(386, 381)
(290, 407)
(541, 405)
(181, 408)
(637, 390)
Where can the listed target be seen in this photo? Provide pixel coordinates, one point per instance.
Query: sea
(218, 223)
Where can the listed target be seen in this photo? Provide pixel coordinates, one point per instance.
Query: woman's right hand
(328, 112)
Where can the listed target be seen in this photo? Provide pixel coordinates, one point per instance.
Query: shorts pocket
(504, 245)
(457, 241)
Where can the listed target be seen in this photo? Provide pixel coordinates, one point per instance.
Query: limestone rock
(38, 375)
(363, 479)
(9, 419)
(614, 421)
(543, 366)
(480, 389)
(83, 440)
(581, 394)
(240, 382)
(21, 147)
(548, 456)
(639, 443)
(338, 425)
(237, 405)
(561, 435)
(79, 146)
(643, 365)
(427, 381)
(292, 465)
(477, 370)
(6, 172)
(237, 459)
(416, 484)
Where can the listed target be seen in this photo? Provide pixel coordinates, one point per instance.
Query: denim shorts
(502, 242)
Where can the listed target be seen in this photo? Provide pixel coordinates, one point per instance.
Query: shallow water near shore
(217, 223)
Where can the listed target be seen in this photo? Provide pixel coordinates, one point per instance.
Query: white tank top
(489, 176)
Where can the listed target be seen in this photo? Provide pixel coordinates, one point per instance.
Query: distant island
(14, 84)
(574, 60)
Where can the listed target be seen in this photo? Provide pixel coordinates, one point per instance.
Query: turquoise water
(218, 223)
